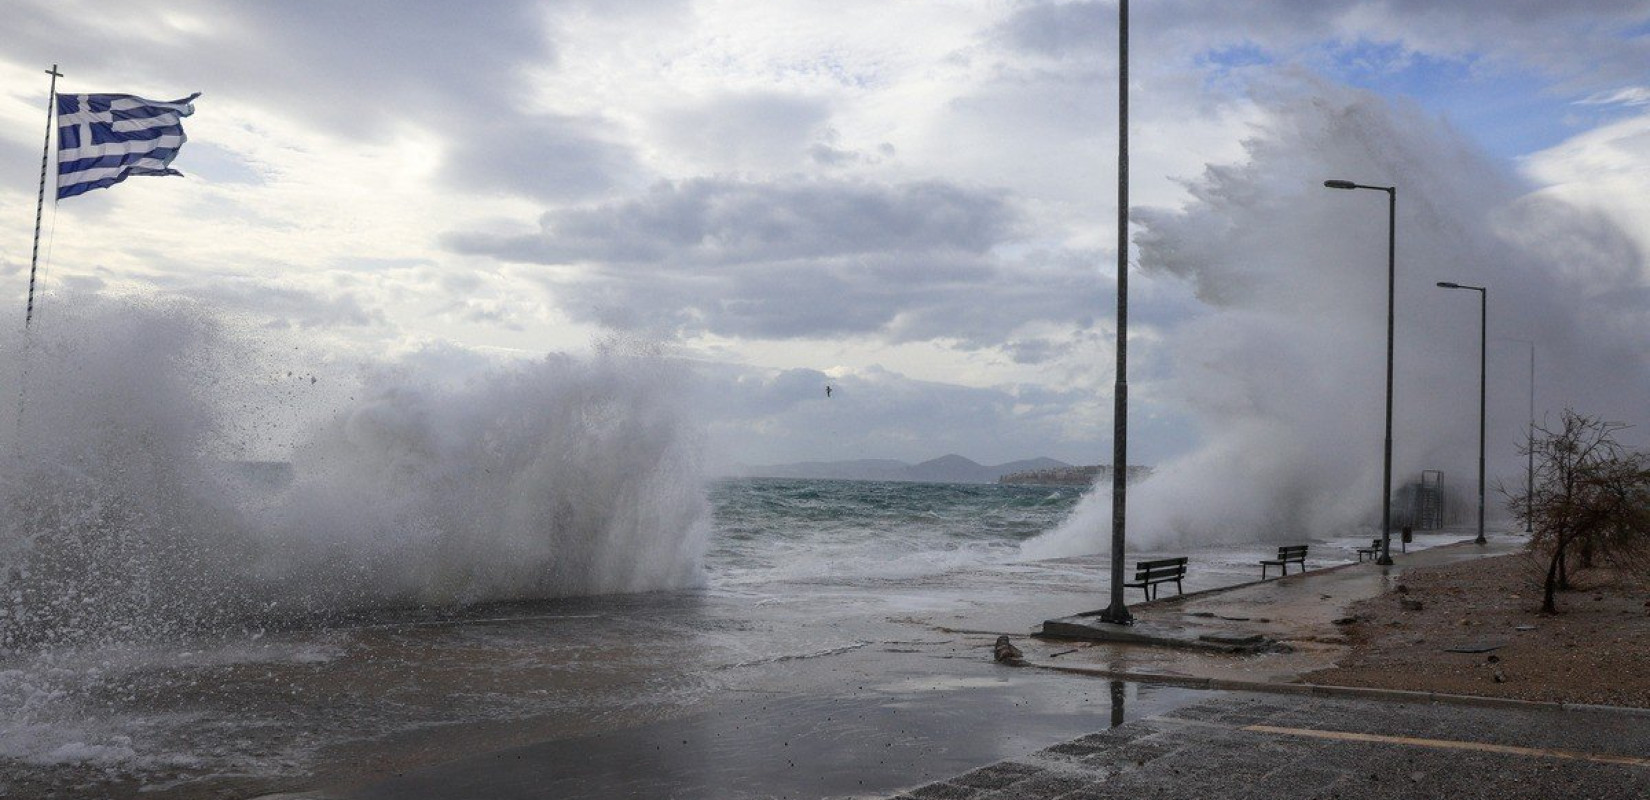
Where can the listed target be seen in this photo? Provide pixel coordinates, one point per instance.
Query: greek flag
(104, 138)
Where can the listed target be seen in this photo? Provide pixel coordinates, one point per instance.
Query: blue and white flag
(104, 138)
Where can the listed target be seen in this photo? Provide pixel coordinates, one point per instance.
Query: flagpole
(40, 199)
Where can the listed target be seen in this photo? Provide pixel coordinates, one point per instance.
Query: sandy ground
(1595, 650)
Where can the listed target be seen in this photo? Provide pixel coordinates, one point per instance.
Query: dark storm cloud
(544, 157)
(353, 67)
(714, 221)
(357, 69)
(803, 258)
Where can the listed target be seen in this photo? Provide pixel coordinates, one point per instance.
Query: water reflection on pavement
(872, 742)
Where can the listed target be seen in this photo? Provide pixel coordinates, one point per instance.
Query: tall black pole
(1391, 296)
(1483, 372)
(1391, 291)
(40, 199)
(1483, 347)
(1117, 612)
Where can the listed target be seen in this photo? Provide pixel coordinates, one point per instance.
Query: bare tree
(1591, 498)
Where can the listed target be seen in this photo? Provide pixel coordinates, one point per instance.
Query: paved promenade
(1260, 734)
(1300, 608)
(1282, 747)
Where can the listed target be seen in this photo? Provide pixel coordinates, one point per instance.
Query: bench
(1149, 574)
(1373, 551)
(1288, 553)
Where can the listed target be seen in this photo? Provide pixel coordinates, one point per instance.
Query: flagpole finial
(53, 72)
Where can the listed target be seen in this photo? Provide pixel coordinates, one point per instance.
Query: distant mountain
(1072, 476)
(945, 469)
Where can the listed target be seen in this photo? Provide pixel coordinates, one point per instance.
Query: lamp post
(1385, 558)
(1483, 340)
(1118, 612)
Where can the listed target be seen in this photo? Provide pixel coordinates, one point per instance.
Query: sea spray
(125, 517)
(560, 477)
(1283, 368)
(109, 525)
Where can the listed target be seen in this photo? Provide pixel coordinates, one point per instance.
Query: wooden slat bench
(1288, 553)
(1373, 551)
(1149, 575)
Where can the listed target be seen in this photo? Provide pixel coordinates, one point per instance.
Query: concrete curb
(1322, 690)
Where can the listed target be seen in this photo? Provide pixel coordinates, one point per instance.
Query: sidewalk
(1262, 733)
(1288, 625)
(1287, 747)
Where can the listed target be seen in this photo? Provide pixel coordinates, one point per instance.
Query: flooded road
(818, 687)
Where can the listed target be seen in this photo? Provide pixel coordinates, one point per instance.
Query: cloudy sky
(912, 201)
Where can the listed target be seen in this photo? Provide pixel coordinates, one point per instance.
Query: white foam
(440, 479)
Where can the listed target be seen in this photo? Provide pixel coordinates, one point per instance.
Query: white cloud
(1629, 96)
(925, 186)
(1604, 170)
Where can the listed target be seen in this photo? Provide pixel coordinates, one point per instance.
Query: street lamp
(1483, 340)
(1385, 558)
(1118, 612)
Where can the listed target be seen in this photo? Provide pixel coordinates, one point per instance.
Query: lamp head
(1339, 184)
(1449, 285)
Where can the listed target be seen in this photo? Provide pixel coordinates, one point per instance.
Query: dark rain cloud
(717, 221)
(360, 70)
(546, 157)
(800, 258)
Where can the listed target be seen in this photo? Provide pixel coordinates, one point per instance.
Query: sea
(850, 619)
(769, 530)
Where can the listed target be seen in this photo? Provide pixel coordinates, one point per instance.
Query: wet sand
(1595, 650)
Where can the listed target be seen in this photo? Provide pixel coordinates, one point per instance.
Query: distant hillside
(945, 469)
(1070, 476)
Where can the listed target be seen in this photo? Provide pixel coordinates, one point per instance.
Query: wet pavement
(1299, 741)
(819, 688)
(900, 715)
(1282, 747)
(1287, 626)
(908, 728)
(402, 696)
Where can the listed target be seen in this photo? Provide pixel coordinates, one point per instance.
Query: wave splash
(124, 515)
(1279, 359)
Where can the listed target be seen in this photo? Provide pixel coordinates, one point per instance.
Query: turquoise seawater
(768, 529)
